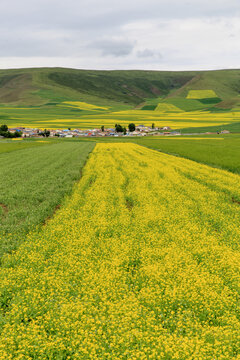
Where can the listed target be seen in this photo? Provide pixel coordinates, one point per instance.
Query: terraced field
(141, 262)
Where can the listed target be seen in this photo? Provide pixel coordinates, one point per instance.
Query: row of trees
(7, 134)
(120, 128)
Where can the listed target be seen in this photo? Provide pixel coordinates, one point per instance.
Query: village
(140, 130)
(118, 131)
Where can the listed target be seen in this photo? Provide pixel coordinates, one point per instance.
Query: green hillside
(54, 85)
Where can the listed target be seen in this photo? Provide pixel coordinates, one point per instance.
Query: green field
(33, 182)
(14, 145)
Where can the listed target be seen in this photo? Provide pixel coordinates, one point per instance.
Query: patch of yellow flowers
(142, 262)
(82, 105)
(165, 107)
(201, 94)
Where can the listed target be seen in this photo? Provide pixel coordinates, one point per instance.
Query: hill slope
(54, 85)
(40, 86)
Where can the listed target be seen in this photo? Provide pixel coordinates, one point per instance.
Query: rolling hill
(43, 86)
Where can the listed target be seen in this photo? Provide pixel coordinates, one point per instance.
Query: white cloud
(153, 34)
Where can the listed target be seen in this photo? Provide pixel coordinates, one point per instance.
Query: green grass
(210, 101)
(233, 128)
(40, 86)
(43, 85)
(222, 152)
(33, 182)
(187, 104)
(225, 83)
(7, 146)
(149, 107)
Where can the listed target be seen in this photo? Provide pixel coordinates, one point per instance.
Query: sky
(123, 34)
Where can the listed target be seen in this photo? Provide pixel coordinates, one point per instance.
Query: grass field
(141, 262)
(187, 104)
(34, 180)
(10, 145)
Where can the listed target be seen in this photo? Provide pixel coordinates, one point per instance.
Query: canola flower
(201, 94)
(82, 105)
(162, 117)
(142, 262)
(165, 107)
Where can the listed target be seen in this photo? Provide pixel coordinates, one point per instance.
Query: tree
(102, 128)
(118, 128)
(131, 127)
(17, 134)
(45, 133)
(7, 134)
(124, 131)
(153, 126)
(3, 128)
(4, 132)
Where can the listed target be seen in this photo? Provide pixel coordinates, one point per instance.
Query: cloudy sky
(120, 34)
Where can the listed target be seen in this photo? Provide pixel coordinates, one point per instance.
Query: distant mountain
(43, 86)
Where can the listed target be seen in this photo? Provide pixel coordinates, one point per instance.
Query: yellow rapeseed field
(201, 94)
(141, 262)
(82, 105)
(165, 115)
(165, 107)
